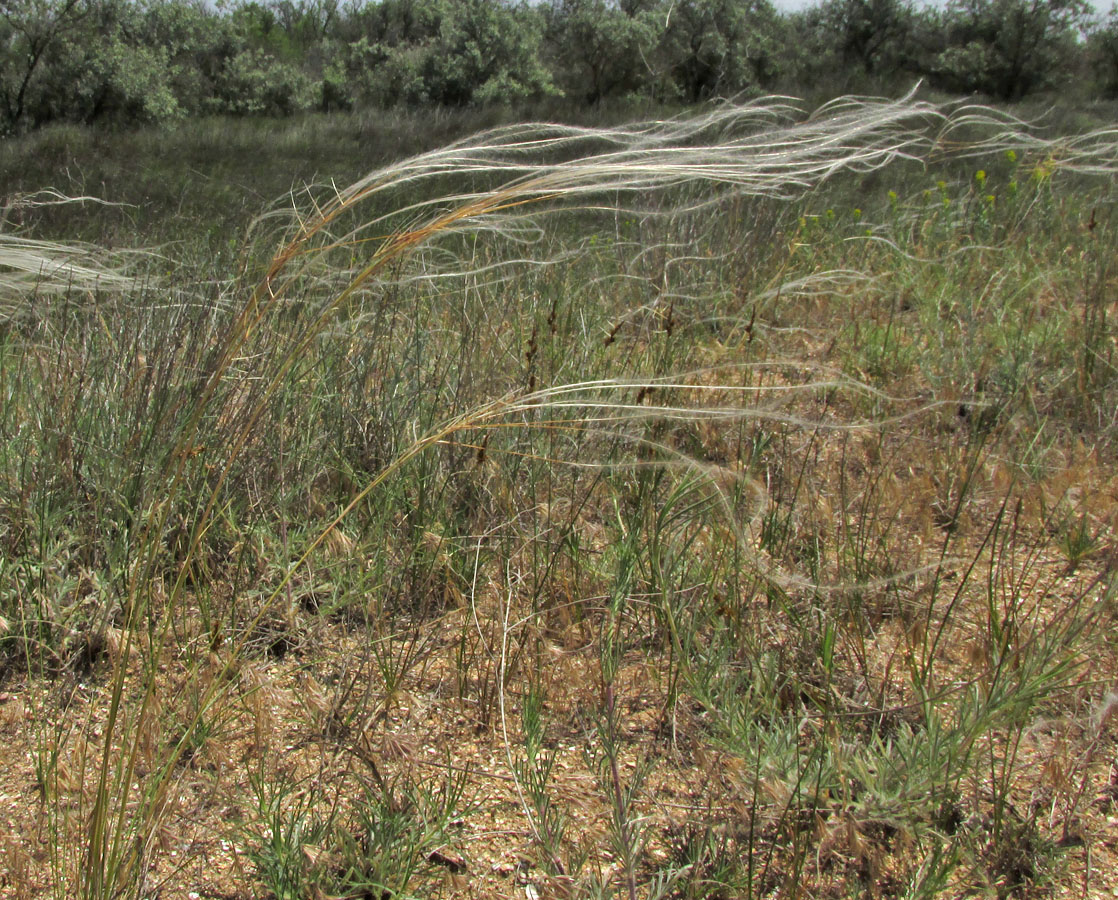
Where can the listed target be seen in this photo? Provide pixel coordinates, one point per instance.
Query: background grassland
(684, 544)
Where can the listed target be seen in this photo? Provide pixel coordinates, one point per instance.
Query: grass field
(720, 506)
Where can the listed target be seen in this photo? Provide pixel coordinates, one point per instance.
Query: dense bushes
(154, 61)
(1103, 49)
(1008, 48)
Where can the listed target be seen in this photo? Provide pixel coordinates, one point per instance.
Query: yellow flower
(1043, 171)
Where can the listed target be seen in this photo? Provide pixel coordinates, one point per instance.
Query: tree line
(156, 61)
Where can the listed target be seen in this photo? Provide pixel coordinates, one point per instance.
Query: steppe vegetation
(720, 506)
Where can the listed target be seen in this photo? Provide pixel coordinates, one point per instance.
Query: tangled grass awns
(600, 532)
(30, 267)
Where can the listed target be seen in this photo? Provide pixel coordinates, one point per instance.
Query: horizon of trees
(123, 63)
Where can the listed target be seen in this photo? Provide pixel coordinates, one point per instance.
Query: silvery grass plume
(32, 268)
(979, 130)
(505, 182)
(423, 220)
(516, 174)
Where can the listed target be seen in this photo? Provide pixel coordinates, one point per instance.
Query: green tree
(255, 83)
(106, 69)
(392, 23)
(719, 47)
(488, 52)
(1008, 48)
(600, 50)
(30, 31)
(307, 23)
(199, 44)
(377, 53)
(869, 35)
(1102, 49)
(451, 52)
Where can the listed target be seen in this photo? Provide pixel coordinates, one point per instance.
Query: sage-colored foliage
(485, 52)
(119, 75)
(153, 62)
(720, 47)
(858, 38)
(1009, 48)
(28, 32)
(601, 50)
(1103, 52)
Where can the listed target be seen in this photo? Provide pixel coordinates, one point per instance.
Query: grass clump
(586, 511)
